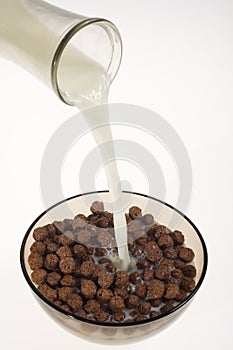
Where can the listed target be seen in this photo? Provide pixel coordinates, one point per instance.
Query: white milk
(83, 82)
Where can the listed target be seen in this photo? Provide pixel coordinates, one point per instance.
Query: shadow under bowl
(117, 334)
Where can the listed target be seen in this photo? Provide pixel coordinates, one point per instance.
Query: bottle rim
(116, 56)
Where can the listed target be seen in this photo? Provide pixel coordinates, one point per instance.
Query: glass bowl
(116, 334)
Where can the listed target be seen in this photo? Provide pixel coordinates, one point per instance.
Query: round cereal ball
(35, 261)
(155, 289)
(75, 301)
(135, 277)
(64, 293)
(68, 281)
(135, 212)
(97, 207)
(38, 247)
(189, 271)
(66, 239)
(104, 295)
(92, 306)
(178, 237)
(154, 253)
(165, 241)
(187, 284)
(51, 261)
(79, 251)
(87, 268)
(177, 273)
(121, 278)
(144, 308)
(53, 279)
(186, 254)
(40, 234)
(67, 265)
(119, 316)
(122, 292)
(116, 303)
(64, 252)
(48, 292)
(88, 288)
(102, 316)
(170, 253)
(103, 222)
(172, 291)
(140, 290)
(105, 280)
(39, 276)
(148, 275)
(133, 301)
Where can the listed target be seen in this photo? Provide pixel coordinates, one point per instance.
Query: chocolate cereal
(72, 266)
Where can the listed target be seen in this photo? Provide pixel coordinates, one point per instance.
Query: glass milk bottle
(45, 40)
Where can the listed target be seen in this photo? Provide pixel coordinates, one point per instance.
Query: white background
(178, 61)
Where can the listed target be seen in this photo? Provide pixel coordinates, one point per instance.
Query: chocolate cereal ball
(155, 290)
(39, 276)
(178, 237)
(163, 272)
(35, 261)
(148, 275)
(141, 290)
(64, 252)
(135, 277)
(165, 241)
(53, 279)
(122, 278)
(122, 292)
(187, 284)
(92, 306)
(97, 207)
(172, 291)
(64, 293)
(51, 261)
(68, 281)
(47, 292)
(75, 301)
(38, 247)
(88, 288)
(153, 251)
(189, 271)
(87, 268)
(135, 212)
(101, 316)
(170, 253)
(40, 234)
(116, 304)
(104, 295)
(79, 251)
(66, 239)
(133, 301)
(186, 254)
(119, 316)
(177, 273)
(67, 265)
(144, 308)
(105, 280)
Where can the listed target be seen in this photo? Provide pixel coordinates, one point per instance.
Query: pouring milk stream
(92, 90)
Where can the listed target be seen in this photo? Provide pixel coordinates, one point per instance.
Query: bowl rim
(105, 324)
